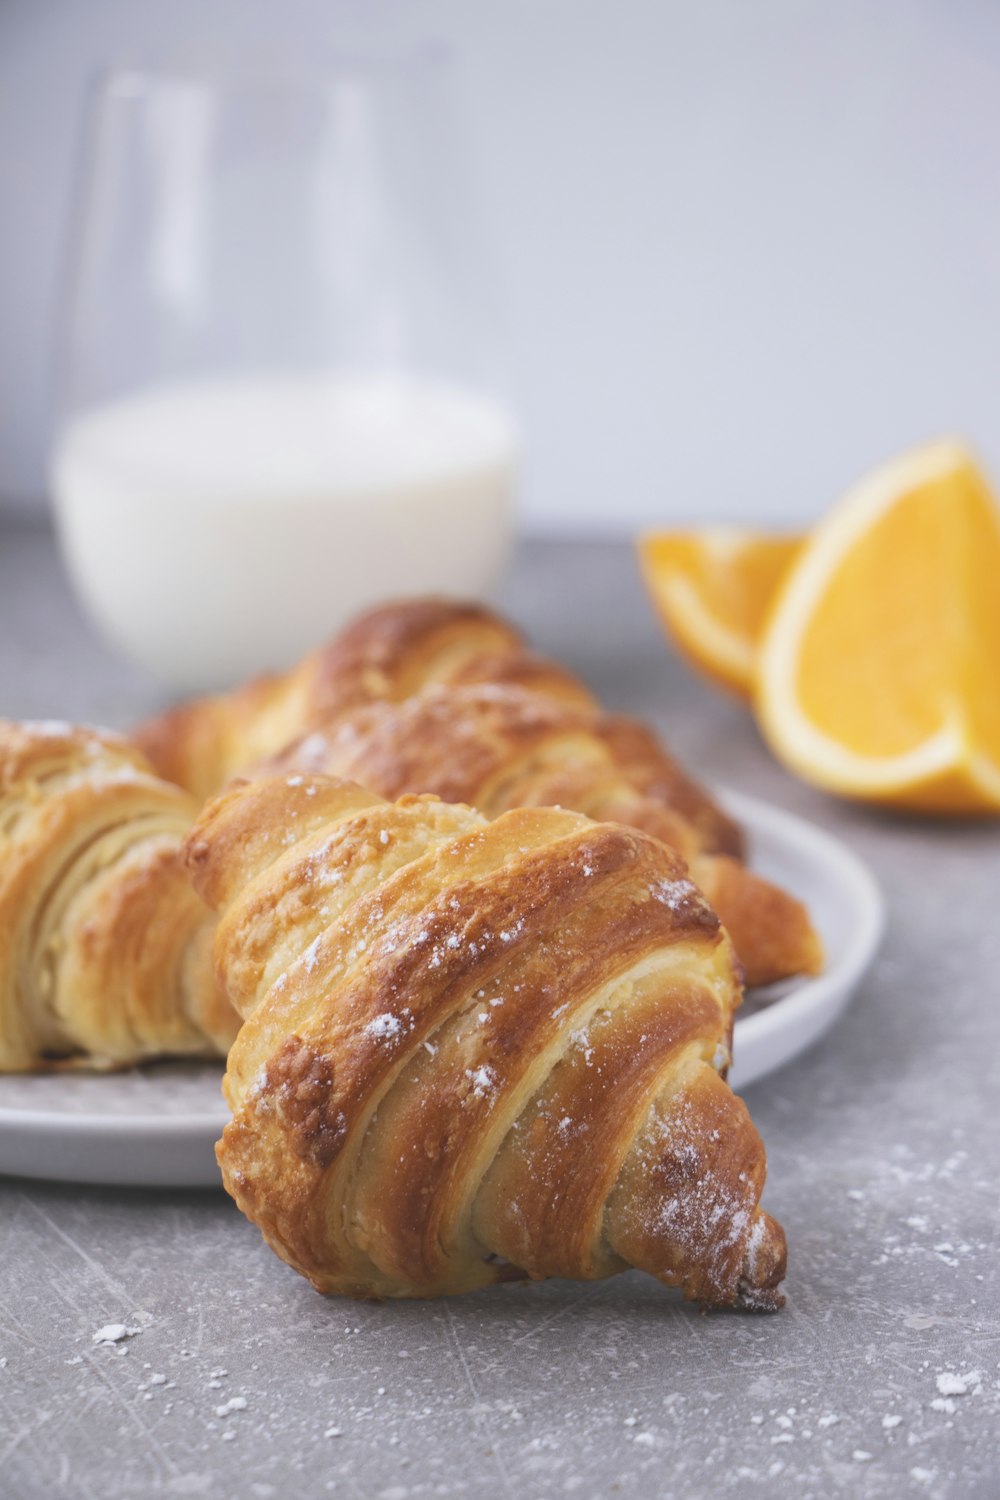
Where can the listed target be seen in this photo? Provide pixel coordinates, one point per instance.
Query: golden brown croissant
(501, 747)
(390, 654)
(477, 1051)
(105, 950)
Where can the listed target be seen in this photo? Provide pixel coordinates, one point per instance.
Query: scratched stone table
(880, 1378)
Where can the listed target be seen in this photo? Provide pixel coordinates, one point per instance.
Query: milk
(218, 528)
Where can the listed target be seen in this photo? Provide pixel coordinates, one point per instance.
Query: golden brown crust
(496, 747)
(477, 1049)
(390, 654)
(501, 747)
(771, 931)
(387, 653)
(643, 761)
(103, 953)
(400, 648)
(523, 669)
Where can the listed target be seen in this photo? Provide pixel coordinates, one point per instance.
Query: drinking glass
(280, 383)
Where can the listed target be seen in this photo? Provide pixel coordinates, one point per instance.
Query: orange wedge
(879, 667)
(712, 589)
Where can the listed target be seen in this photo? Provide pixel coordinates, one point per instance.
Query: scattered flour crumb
(235, 1403)
(951, 1384)
(891, 1421)
(861, 1456)
(113, 1333)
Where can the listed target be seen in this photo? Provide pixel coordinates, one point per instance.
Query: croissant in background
(105, 950)
(477, 1051)
(388, 655)
(418, 647)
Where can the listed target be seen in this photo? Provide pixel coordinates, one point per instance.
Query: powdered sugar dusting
(385, 1025)
(483, 1080)
(676, 895)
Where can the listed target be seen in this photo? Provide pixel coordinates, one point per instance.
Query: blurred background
(744, 251)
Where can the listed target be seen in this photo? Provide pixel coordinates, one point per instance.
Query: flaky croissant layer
(105, 950)
(476, 1051)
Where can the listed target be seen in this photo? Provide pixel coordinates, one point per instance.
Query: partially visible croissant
(477, 1051)
(390, 654)
(501, 747)
(105, 950)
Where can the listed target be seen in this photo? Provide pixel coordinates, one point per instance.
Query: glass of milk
(280, 400)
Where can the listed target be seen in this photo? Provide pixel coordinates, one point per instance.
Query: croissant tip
(759, 1299)
(764, 1267)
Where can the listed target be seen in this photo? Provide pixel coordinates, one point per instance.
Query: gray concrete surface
(880, 1379)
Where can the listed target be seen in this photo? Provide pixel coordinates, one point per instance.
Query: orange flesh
(981, 645)
(907, 637)
(736, 588)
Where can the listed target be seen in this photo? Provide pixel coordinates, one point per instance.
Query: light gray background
(748, 249)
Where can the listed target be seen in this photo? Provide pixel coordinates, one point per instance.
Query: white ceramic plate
(848, 912)
(156, 1126)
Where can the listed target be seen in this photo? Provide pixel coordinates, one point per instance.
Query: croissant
(477, 1051)
(105, 950)
(390, 654)
(501, 747)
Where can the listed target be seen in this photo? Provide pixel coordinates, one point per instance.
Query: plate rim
(44, 1121)
(841, 973)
